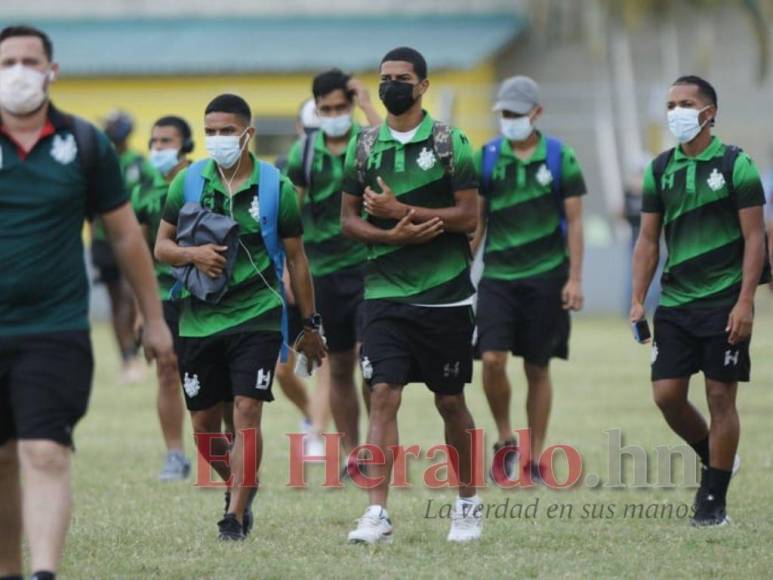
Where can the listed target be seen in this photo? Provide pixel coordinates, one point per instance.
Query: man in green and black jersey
(316, 166)
(415, 179)
(707, 198)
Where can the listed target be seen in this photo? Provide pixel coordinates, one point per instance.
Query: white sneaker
(372, 528)
(736, 464)
(466, 520)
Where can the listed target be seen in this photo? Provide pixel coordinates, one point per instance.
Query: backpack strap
(365, 141)
(553, 151)
(193, 187)
(491, 151)
(269, 192)
(307, 156)
(443, 144)
(85, 135)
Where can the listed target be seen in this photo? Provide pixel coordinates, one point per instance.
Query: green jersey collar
(211, 174)
(423, 132)
(539, 154)
(707, 154)
(319, 139)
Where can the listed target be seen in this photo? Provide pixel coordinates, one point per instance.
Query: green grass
(127, 525)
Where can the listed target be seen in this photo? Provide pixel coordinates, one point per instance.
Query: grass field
(127, 525)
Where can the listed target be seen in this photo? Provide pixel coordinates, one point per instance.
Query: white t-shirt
(404, 136)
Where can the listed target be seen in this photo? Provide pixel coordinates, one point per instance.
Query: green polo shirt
(248, 304)
(437, 272)
(702, 230)
(148, 203)
(524, 238)
(329, 251)
(43, 287)
(136, 170)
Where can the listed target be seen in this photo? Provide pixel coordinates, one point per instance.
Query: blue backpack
(270, 186)
(491, 152)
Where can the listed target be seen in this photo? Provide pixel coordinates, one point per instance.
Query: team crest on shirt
(426, 159)
(716, 180)
(64, 149)
(255, 209)
(543, 176)
(191, 385)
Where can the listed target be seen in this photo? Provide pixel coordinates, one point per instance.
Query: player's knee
(384, 402)
(494, 362)
(721, 400)
(537, 374)
(47, 456)
(247, 409)
(667, 400)
(449, 406)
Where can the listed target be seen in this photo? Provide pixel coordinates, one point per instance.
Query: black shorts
(45, 384)
(688, 340)
(525, 317)
(405, 344)
(217, 368)
(104, 261)
(171, 311)
(340, 298)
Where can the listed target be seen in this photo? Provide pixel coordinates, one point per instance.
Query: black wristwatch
(313, 322)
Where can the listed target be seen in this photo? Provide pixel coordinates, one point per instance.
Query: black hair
(704, 87)
(24, 30)
(182, 127)
(329, 81)
(411, 55)
(233, 104)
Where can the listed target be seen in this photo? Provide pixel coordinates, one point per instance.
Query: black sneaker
(700, 495)
(230, 530)
(507, 468)
(227, 501)
(247, 519)
(536, 473)
(709, 512)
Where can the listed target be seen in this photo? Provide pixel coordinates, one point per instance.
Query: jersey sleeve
(651, 201)
(351, 182)
(140, 210)
(294, 166)
(175, 199)
(465, 176)
(572, 179)
(108, 180)
(290, 224)
(747, 183)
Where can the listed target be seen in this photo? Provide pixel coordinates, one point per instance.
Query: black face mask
(397, 96)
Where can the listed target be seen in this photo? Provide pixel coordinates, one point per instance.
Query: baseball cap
(518, 94)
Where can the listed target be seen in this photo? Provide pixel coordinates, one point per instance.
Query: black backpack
(660, 163)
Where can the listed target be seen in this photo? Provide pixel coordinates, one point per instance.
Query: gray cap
(517, 94)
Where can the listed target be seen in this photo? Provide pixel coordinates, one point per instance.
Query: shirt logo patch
(191, 385)
(451, 370)
(544, 177)
(255, 209)
(716, 180)
(264, 380)
(426, 159)
(654, 354)
(367, 369)
(64, 149)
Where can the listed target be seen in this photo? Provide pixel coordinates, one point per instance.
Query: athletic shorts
(340, 297)
(525, 317)
(689, 340)
(404, 344)
(45, 384)
(171, 311)
(215, 369)
(105, 263)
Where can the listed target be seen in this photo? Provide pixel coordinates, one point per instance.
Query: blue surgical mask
(164, 160)
(225, 149)
(684, 123)
(517, 129)
(336, 126)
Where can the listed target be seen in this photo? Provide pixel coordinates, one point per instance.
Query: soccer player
(416, 181)
(708, 199)
(170, 143)
(531, 209)
(231, 347)
(315, 165)
(55, 171)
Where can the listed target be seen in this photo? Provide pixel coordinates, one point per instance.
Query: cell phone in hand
(641, 331)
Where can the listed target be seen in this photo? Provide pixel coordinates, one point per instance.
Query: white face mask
(164, 160)
(684, 124)
(336, 126)
(22, 89)
(517, 129)
(225, 149)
